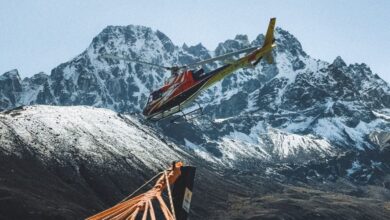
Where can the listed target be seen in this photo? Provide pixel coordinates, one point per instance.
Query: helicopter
(185, 84)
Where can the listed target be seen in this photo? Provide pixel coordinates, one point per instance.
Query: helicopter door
(188, 80)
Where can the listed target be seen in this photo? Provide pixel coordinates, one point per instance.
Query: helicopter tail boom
(251, 59)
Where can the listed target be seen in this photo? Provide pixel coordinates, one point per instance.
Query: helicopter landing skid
(188, 115)
(170, 113)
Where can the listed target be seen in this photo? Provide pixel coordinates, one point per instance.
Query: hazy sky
(38, 35)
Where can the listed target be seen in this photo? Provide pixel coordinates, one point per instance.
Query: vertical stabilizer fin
(269, 36)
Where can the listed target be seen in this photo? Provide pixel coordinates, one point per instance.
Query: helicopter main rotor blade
(246, 50)
(176, 68)
(114, 57)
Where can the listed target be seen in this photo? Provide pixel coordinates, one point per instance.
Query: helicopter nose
(146, 110)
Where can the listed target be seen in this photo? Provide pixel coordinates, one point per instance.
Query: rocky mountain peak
(37, 79)
(129, 31)
(339, 62)
(288, 42)
(243, 38)
(239, 42)
(10, 89)
(130, 40)
(198, 51)
(12, 74)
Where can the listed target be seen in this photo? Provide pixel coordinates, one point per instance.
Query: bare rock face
(10, 89)
(381, 138)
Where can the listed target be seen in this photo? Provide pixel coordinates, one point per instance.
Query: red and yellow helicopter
(185, 85)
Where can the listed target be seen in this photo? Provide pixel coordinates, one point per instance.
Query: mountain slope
(109, 136)
(299, 97)
(71, 162)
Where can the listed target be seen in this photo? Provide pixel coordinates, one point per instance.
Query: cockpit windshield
(170, 80)
(155, 95)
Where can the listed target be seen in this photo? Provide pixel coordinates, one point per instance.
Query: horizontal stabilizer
(269, 57)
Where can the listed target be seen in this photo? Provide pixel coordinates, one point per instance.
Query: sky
(38, 35)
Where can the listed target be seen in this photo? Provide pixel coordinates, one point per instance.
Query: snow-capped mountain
(70, 162)
(10, 89)
(33, 126)
(339, 104)
(270, 137)
(298, 109)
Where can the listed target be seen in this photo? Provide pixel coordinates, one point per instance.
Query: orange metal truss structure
(142, 205)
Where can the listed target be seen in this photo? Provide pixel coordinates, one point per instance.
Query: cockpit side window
(199, 74)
